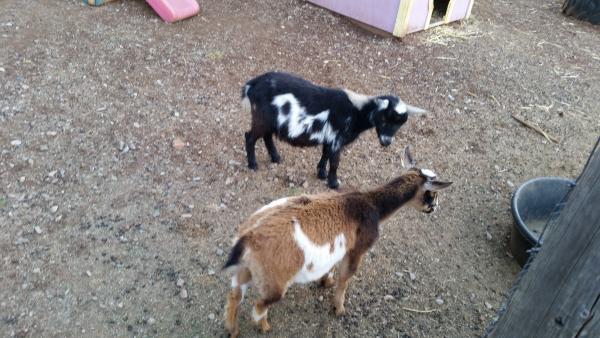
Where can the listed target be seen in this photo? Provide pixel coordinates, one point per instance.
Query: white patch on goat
(300, 122)
(428, 173)
(326, 134)
(400, 108)
(382, 104)
(320, 258)
(273, 204)
(244, 288)
(358, 100)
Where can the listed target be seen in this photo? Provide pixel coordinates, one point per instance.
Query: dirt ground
(107, 230)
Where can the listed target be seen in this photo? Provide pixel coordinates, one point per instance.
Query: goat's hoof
(253, 166)
(333, 184)
(235, 333)
(265, 326)
(276, 159)
(322, 174)
(340, 311)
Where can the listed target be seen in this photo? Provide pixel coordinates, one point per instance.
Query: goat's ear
(412, 110)
(407, 159)
(436, 185)
(382, 103)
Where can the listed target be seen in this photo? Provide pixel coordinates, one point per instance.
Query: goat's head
(389, 115)
(426, 198)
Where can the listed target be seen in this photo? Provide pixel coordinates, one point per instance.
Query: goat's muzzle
(385, 140)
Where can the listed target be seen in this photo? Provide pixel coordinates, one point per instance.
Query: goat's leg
(250, 149)
(268, 138)
(347, 269)
(259, 313)
(322, 166)
(239, 284)
(334, 161)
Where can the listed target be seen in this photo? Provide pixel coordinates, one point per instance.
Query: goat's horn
(412, 110)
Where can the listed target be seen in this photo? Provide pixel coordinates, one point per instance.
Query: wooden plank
(558, 295)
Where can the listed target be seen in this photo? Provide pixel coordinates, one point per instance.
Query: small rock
(488, 305)
(450, 97)
(180, 282)
(137, 125)
(37, 230)
(15, 143)
(123, 239)
(399, 274)
(52, 173)
(44, 147)
(439, 301)
(388, 297)
(21, 240)
(120, 305)
(305, 184)
(22, 179)
(156, 213)
(51, 133)
(54, 209)
(220, 252)
(178, 143)
(510, 184)
(186, 215)
(320, 298)
(211, 316)
(234, 163)
(36, 270)
(412, 275)
(88, 273)
(183, 294)
(228, 181)
(58, 218)
(151, 321)
(488, 235)
(211, 272)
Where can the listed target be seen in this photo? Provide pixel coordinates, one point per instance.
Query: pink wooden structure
(400, 17)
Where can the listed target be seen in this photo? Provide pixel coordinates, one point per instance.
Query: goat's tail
(236, 254)
(245, 99)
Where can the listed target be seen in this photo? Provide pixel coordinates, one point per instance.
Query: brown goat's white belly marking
(318, 259)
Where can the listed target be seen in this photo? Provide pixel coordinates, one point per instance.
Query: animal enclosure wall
(400, 17)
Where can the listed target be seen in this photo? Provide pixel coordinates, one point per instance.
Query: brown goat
(300, 239)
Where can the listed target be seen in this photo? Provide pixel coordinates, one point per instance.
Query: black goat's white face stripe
(299, 122)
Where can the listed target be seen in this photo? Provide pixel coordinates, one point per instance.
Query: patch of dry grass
(449, 33)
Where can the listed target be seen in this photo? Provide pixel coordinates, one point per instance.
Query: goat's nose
(385, 141)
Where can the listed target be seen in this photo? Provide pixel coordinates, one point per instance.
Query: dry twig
(419, 311)
(536, 128)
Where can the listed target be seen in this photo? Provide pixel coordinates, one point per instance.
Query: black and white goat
(304, 114)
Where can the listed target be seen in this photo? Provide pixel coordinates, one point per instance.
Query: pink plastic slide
(174, 10)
